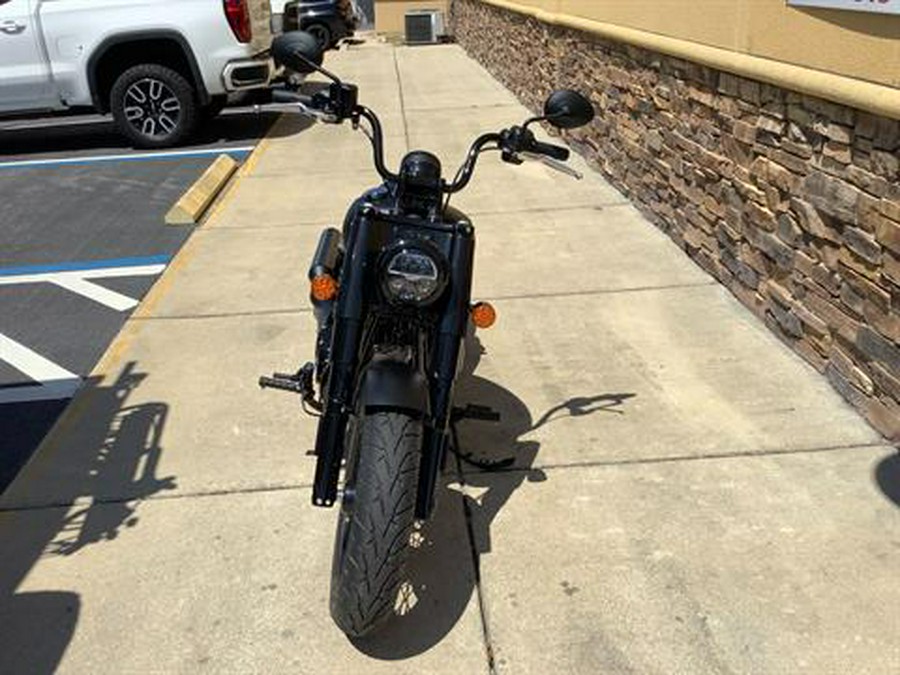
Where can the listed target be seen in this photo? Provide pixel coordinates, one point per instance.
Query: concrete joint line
(476, 567)
(602, 291)
(678, 459)
(225, 315)
(402, 100)
(111, 501)
(551, 209)
(473, 106)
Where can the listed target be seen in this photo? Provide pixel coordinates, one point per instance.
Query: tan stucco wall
(859, 45)
(389, 14)
(261, 16)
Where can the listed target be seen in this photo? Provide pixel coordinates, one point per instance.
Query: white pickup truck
(158, 66)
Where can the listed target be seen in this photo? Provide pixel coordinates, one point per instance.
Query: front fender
(394, 385)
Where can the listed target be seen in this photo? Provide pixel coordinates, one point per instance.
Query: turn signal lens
(323, 287)
(483, 314)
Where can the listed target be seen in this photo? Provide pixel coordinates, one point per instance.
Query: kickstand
(480, 413)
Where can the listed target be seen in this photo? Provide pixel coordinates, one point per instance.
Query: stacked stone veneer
(791, 201)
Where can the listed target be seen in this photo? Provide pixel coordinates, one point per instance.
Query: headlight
(413, 276)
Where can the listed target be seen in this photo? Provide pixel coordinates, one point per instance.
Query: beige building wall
(261, 21)
(389, 14)
(860, 45)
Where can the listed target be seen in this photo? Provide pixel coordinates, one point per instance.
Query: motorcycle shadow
(443, 572)
(105, 469)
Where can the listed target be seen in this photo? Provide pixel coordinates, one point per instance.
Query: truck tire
(322, 33)
(154, 106)
(375, 522)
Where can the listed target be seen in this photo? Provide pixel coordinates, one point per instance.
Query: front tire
(154, 106)
(375, 522)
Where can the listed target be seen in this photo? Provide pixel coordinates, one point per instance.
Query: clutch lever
(298, 108)
(554, 164)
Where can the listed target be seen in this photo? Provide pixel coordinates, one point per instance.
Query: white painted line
(112, 272)
(53, 381)
(94, 292)
(130, 157)
(76, 282)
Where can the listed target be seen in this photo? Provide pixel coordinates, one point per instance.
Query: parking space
(82, 239)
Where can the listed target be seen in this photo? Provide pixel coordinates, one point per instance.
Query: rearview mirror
(296, 51)
(567, 109)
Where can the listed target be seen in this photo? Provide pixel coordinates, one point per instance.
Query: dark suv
(329, 21)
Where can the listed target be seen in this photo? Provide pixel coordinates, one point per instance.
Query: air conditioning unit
(424, 26)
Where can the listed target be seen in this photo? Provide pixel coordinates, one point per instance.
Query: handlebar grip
(274, 383)
(285, 96)
(553, 151)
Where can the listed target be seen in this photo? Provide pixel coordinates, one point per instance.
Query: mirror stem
(314, 66)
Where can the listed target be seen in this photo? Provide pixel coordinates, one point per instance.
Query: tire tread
(365, 582)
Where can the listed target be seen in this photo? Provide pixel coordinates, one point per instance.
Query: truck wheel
(375, 522)
(154, 106)
(322, 33)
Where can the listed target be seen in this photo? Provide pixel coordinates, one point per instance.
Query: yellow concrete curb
(868, 96)
(193, 203)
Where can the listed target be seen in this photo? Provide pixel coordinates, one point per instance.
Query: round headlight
(413, 276)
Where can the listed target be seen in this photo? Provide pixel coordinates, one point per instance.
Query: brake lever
(554, 164)
(299, 108)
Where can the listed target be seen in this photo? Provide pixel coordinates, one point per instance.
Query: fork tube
(442, 375)
(345, 351)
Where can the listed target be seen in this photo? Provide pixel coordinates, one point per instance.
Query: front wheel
(376, 519)
(154, 106)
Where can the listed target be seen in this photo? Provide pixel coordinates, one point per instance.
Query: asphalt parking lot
(82, 239)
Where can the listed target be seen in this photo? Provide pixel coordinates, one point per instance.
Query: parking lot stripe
(76, 281)
(128, 157)
(51, 381)
(86, 265)
(95, 292)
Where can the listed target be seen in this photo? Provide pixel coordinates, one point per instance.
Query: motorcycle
(391, 294)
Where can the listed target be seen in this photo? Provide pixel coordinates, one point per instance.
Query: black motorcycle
(391, 295)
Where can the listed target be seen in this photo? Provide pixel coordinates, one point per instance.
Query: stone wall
(790, 201)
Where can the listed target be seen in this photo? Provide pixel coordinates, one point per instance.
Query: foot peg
(300, 382)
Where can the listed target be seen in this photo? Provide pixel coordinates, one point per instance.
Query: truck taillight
(238, 14)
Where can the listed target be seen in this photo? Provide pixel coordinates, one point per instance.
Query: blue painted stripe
(85, 265)
(145, 157)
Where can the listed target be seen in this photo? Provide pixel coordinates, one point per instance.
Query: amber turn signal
(483, 314)
(323, 287)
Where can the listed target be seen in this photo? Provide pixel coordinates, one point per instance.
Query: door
(24, 74)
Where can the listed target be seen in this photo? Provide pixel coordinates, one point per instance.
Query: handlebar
(340, 104)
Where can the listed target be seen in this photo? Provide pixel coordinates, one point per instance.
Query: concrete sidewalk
(688, 495)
